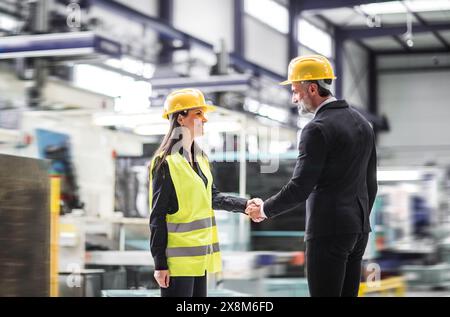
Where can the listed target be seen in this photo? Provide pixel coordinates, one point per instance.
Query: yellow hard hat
(185, 99)
(309, 67)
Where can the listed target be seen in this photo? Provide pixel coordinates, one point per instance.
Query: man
(335, 173)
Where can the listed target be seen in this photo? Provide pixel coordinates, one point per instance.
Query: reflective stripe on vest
(193, 251)
(191, 226)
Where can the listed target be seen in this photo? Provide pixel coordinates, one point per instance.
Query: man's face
(302, 97)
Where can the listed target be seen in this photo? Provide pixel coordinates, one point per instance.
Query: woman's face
(194, 121)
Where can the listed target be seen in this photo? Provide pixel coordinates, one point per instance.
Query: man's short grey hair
(324, 86)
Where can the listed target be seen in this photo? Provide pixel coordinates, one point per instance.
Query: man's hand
(253, 209)
(254, 201)
(162, 277)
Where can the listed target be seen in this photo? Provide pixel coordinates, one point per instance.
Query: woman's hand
(253, 209)
(254, 201)
(162, 277)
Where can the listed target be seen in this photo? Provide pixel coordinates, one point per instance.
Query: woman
(184, 240)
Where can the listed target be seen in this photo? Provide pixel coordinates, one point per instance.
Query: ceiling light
(154, 129)
(7, 23)
(410, 42)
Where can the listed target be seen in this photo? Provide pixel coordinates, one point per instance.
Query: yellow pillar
(362, 289)
(55, 196)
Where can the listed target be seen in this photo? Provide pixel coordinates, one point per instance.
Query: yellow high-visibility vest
(193, 244)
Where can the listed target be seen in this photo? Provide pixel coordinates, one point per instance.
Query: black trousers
(333, 264)
(186, 286)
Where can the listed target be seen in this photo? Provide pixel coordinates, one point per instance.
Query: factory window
(269, 12)
(314, 38)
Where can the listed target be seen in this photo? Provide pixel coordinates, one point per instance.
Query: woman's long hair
(172, 138)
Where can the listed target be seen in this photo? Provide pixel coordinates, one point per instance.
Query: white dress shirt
(326, 101)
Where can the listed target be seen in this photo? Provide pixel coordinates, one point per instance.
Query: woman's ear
(180, 120)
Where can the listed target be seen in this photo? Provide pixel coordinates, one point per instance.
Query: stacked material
(24, 227)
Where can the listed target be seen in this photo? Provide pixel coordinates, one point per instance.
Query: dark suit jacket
(335, 173)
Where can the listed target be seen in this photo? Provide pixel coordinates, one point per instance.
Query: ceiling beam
(366, 32)
(324, 20)
(435, 33)
(413, 51)
(329, 23)
(10, 13)
(238, 27)
(414, 69)
(333, 4)
(165, 55)
(294, 14)
(338, 63)
(364, 46)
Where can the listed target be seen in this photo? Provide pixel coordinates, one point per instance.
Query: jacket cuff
(266, 208)
(160, 263)
(243, 204)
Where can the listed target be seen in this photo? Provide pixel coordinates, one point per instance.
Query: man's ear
(313, 88)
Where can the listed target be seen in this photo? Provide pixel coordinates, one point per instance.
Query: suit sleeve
(308, 168)
(227, 202)
(371, 178)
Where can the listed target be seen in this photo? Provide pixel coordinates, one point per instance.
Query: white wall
(209, 20)
(417, 106)
(355, 81)
(265, 46)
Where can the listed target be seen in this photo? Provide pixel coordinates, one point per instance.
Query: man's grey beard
(302, 109)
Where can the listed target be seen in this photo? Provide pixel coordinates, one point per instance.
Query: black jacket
(164, 201)
(335, 173)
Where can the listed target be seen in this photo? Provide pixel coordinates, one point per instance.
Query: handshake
(253, 209)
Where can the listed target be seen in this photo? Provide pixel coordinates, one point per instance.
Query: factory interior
(82, 89)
